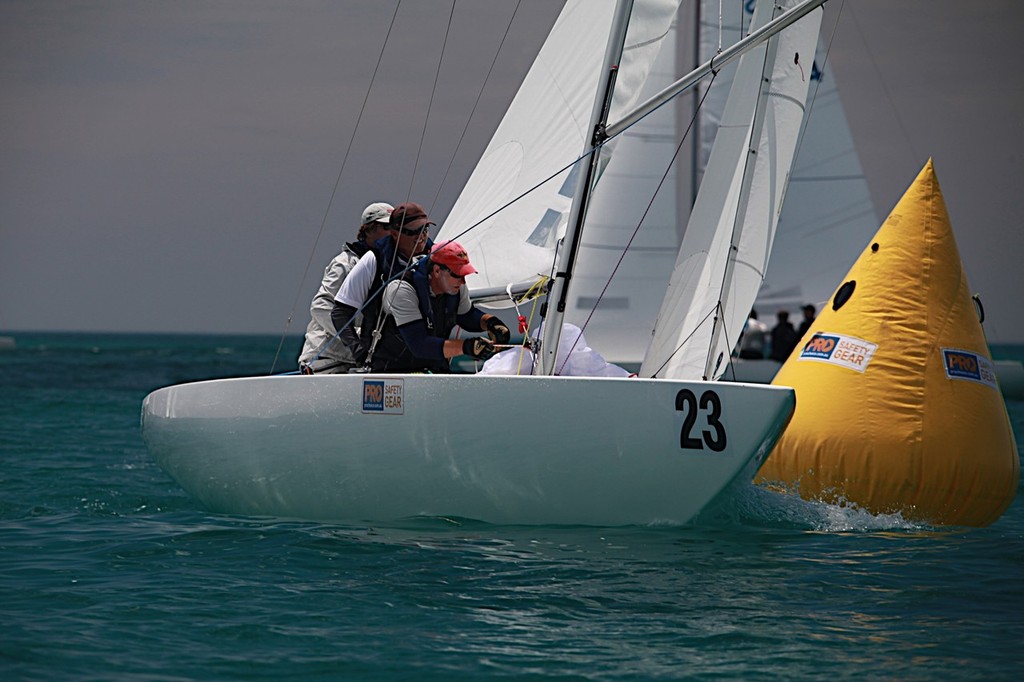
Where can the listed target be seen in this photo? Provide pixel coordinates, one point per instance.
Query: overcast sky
(168, 166)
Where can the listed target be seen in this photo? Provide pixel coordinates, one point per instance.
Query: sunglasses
(461, 278)
(414, 233)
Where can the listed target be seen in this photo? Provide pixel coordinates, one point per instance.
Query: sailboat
(657, 448)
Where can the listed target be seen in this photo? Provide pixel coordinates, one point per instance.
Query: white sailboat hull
(501, 449)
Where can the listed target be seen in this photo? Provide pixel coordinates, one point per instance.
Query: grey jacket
(318, 352)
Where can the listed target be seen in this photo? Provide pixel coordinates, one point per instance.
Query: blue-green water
(108, 571)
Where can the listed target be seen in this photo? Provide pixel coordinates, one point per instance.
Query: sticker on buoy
(839, 349)
(383, 396)
(967, 366)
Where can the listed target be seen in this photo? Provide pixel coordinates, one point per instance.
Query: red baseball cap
(452, 256)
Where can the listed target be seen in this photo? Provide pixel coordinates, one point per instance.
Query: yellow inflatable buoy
(897, 405)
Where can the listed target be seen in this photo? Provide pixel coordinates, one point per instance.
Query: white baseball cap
(377, 213)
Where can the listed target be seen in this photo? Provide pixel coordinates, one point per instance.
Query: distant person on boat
(753, 338)
(408, 236)
(784, 337)
(423, 307)
(322, 353)
(805, 324)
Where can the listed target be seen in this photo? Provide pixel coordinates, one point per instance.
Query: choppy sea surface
(109, 571)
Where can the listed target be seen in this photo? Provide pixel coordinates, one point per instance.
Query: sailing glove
(497, 330)
(478, 348)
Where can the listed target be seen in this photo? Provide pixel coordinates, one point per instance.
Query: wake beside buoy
(898, 407)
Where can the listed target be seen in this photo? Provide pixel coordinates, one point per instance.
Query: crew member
(421, 310)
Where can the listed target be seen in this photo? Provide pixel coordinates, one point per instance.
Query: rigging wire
(419, 150)
(586, 154)
(472, 112)
(711, 312)
(381, 317)
(728, 344)
(334, 191)
(430, 103)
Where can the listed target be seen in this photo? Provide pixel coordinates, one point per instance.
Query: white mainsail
(546, 128)
(722, 259)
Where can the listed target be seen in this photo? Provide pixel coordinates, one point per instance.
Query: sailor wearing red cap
(424, 307)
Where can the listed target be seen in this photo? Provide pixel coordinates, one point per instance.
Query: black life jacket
(439, 314)
(388, 265)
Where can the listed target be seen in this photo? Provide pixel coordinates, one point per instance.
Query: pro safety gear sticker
(383, 396)
(839, 349)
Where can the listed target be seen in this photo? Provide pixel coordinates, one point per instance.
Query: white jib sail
(725, 249)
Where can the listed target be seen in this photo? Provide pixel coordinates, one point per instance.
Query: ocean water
(108, 571)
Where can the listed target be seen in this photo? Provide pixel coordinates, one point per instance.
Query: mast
(584, 183)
